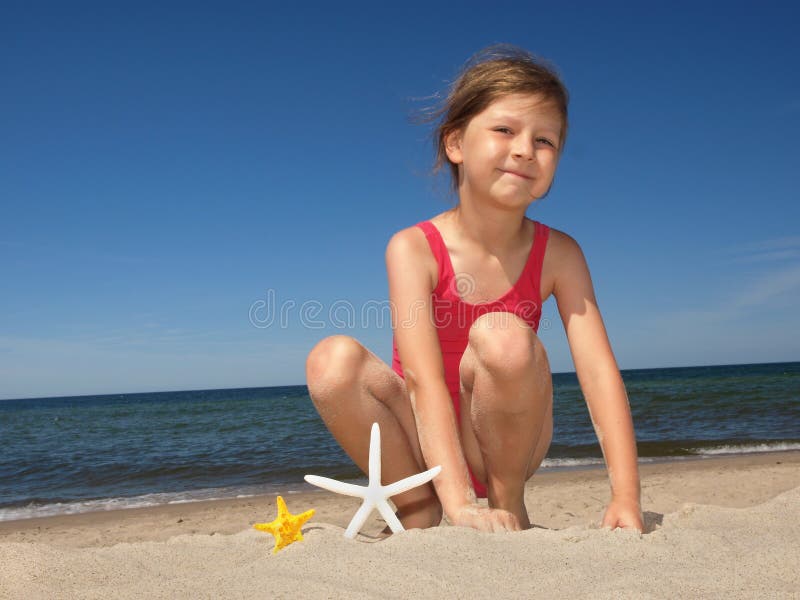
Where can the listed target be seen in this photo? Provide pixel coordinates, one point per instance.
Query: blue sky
(167, 172)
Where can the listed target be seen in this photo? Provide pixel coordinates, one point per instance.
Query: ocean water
(74, 454)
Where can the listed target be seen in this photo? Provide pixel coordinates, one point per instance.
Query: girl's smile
(516, 174)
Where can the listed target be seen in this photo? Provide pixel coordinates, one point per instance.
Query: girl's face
(507, 154)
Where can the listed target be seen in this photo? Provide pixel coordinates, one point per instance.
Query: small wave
(575, 463)
(570, 462)
(747, 448)
(31, 511)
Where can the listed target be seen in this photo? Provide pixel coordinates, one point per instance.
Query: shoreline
(112, 504)
(781, 470)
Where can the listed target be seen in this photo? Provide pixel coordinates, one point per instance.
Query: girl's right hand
(484, 518)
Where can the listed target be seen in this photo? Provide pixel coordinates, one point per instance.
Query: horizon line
(259, 387)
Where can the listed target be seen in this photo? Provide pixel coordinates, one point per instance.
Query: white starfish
(375, 495)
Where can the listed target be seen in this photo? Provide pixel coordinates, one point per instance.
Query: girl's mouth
(517, 174)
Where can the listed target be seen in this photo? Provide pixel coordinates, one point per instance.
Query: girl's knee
(334, 361)
(505, 343)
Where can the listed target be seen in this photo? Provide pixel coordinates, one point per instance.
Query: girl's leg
(352, 389)
(506, 407)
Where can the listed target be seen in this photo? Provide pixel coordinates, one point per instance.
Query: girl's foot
(513, 503)
(418, 515)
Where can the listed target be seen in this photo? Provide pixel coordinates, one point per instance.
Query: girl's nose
(523, 149)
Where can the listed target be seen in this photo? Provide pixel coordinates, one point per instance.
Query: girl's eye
(546, 141)
(502, 129)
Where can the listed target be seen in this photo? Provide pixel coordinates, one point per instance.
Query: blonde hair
(490, 74)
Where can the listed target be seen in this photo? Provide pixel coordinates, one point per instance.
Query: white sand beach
(715, 528)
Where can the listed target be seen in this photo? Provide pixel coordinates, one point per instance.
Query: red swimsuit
(454, 317)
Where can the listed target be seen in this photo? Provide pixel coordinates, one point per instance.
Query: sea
(88, 453)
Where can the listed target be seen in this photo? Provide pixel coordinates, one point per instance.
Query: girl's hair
(490, 74)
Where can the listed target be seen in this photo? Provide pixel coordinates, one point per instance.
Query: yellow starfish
(286, 527)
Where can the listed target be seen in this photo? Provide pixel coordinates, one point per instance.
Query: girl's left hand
(623, 513)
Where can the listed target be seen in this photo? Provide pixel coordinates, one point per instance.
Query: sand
(715, 528)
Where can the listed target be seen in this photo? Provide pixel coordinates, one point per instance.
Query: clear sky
(170, 173)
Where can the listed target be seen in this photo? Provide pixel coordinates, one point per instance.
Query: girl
(470, 386)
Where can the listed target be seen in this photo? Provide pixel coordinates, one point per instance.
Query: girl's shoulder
(560, 244)
(564, 263)
(409, 240)
(420, 244)
(408, 251)
(413, 239)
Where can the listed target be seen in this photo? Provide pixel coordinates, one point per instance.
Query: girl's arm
(409, 265)
(600, 381)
